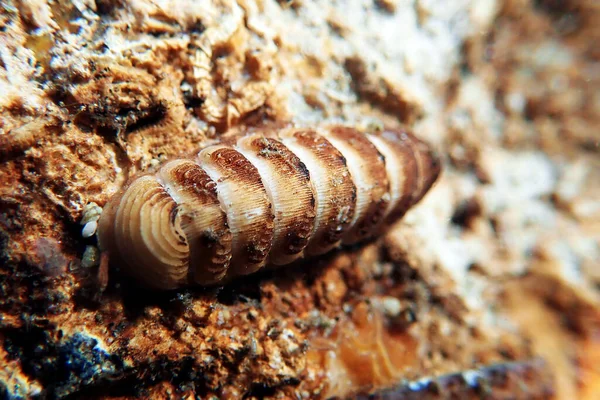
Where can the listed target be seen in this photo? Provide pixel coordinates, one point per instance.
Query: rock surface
(489, 286)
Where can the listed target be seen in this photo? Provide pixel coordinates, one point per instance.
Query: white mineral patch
(515, 177)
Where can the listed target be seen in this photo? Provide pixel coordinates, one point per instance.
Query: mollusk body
(268, 197)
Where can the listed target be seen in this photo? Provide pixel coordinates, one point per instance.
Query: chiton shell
(267, 197)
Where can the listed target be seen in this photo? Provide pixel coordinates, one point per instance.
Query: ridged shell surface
(264, 198)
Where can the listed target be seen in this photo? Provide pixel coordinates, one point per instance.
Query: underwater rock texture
(489, 286)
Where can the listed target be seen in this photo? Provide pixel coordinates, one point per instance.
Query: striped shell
(268, 197)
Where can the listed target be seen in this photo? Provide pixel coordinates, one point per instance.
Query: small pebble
(91, 212)
(391, 306)
(89, 229)
(91, 257)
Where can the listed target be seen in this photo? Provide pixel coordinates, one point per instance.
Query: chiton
(263, 198)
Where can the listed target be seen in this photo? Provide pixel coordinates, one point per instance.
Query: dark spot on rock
(466, 213)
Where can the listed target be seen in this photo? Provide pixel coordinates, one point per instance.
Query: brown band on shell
(428, 167)
(245, 201)
(147, 234)
(432, 167)
(401, 167)
(335, 192)
(367, 168)
(202, 219)
(287, 182)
